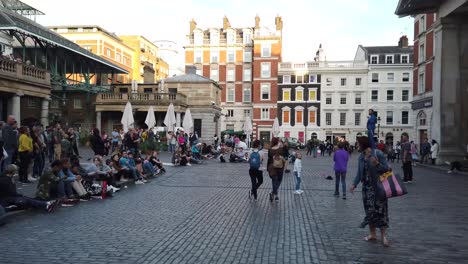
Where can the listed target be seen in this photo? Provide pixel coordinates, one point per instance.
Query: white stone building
(389, 88)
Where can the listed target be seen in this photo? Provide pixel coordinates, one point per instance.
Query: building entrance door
(265, 136)
(422, 135)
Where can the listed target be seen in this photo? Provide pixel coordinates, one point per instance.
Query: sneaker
(114, 189)
(32, 179)
(144, 181)
(450, 171)
(271, 197)
(301, 191)
(139, 182)
(297, 192)
(276, 198)
(51, 205)
(344, 197)
(447, 162)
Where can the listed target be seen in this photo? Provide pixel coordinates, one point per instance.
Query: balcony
(160, 101)
(24, 73)
(323, 65)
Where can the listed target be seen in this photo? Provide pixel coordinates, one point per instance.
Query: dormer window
(389, 59)
(198, 38)
(231, 37)
(374, 59)
(405, 59)
(214, 37)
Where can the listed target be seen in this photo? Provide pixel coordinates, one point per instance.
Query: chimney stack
(191, 69)
(193, 25)
(226, 23)
(257, 22)
(403, 43)
(279, 23)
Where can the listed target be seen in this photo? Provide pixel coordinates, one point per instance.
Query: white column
(16, 108)
(45, 112)
(178, 119)
(98, 120)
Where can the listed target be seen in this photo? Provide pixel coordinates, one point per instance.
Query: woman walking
(25, 151)
(434, 151)
(371, 164)
(275, 166)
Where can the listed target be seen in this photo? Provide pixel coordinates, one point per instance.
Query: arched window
(422, 118)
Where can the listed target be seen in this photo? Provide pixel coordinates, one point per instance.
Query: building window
(328, 119)
(214, 55)
(199, 56)
(247, 38)
(357, 119)
(422, 56)
(405, 117)
(265, 113)
(375, 96)
(247, 56)
(389, 118)
(198, 38)
(312, 95)
(329, 82)
(375, 77)
(214, 75)
(246, 113)
(214, 38)
(108, 52)
(230, 94)
(358, 99)
(231, 37)
(230, 75)
(247, 75)
(389, 59)
(299, 78)
(77, 103)
(374, 59)
(118, 57)
(342, 119)
(405, 59)
(265, 91)
(405, 77)
(286, 114)
(343, 99)
(421, 85)
(124, 61)
(343, 81)
(230, 113)
(389, 95)
(247, 95)
(312, 117)
(32, 102)
(266, 50)
(266, 69)
(422, 24)
(231, 56)
(390, 76)
(300, 95)
(328, 100)
(286, 79)
(405, 95)
(358, 81)
(287, 95)
(299, 117)
(312, 78)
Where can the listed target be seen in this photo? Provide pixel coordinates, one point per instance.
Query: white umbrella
(127, 118)
(187, 124)
(150, 119)
(170, 119)
(276, 127)
(248, 129)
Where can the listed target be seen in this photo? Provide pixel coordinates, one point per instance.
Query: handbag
(278, 162)
(389, 185)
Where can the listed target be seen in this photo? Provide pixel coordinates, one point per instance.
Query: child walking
(256, 175)
(298, 172)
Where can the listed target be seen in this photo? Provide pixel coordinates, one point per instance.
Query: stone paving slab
(201, 214)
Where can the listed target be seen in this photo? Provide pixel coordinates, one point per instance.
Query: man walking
(406, 159)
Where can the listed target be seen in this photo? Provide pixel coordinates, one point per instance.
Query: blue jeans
(370, 135)
(23, 202)
(340, 176)
(148, 168)
(298, 181)
(39, 163)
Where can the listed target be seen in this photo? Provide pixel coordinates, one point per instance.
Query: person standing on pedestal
(371, 121)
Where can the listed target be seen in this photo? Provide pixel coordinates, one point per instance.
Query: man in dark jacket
(9, 196)
(10, 141)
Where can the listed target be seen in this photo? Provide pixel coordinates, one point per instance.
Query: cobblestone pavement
(201, 214)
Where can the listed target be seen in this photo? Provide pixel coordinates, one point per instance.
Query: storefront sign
(425, 103)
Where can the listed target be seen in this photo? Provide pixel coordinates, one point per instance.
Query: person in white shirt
(241, 145)
(298, 172)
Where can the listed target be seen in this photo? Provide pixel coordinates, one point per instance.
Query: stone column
(16, 108)
(45, 112)
(178, 119)
(448, 99)
(98, 120)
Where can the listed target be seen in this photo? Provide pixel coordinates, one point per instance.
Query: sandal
(385, 242)
(370, 238)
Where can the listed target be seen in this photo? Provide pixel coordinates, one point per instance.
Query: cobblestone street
(202, 214)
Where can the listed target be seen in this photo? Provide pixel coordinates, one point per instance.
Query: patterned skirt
(376, 210)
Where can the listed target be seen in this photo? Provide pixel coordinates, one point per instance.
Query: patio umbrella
(170, 119)
(127, 118)
(248, 130)
(187, 124)
(276, 127)
(150, 119)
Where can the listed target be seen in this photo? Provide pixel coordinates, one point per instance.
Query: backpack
(278, 162)
(254, 160)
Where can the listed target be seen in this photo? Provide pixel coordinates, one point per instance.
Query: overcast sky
(339, 25)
